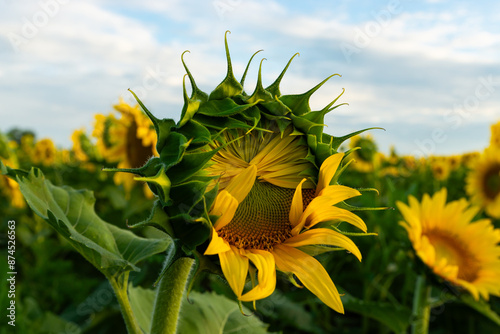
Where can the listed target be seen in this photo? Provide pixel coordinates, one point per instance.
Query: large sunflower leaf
(482, 307)
(212, 313)
(71, 213)
(395, 317)
(204, 313)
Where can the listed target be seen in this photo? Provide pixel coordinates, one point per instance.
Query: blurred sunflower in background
(483, 181)
(365, 157)
(440, 168)
(44, 152)
(83, 149)
(458, 249)
(128, 140)
(8, 187)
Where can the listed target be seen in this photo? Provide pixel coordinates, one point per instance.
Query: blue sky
(426, 71)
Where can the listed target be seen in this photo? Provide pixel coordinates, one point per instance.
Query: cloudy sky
(426, 71)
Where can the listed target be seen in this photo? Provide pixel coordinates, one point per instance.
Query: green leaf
(142, 302)
(71, 213)
(482, 307)
(212, 313)
(393, 316)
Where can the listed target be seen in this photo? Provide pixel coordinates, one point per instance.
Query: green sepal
(196, 133)
(192, 232)
(337, 141)
(192, 103)
(299, 103)
(162, 184)
(344, 205)
(158, 218)
(242, 81)
(229, 87)
(323, 151)
(223, 107)
(221, 123)
(162, 126)
(274, 88)
(187, 195)
(174, 149)
(189, 165)
(260, 94)
(276, 107)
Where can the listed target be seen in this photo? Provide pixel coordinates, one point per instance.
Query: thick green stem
(169, 297)
(120, 287)
(421, 307)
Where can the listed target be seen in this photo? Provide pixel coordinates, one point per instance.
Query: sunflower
(265, 224)
(365, 157)
(440, 168)
(9, 187)
(445, 238)
(44, 152)
(483, 181)
(252, 179)
(129, 141)
(81, 145)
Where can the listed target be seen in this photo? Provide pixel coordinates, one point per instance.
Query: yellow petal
(235, 269)
(323, 236)
(240, 185)
(339, 193)
(217, 244)
(310, 272)
(327, 171)
(320, 210)
(225, 207)
(297, 207)
(335, 214)
(264, 262)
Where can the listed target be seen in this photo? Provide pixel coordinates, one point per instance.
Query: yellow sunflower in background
(366, 157)
(440, 168)
(461, 251)
(78, 137)
(44, 152)
(129, 140)
(495, 135)
(483, 181)
(9, 187)
(262, 185)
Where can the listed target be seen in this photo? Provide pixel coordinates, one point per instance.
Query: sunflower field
(245, 216)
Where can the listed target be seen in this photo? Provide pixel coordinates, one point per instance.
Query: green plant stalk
(120, 287)
(421, 307)
(169, 297)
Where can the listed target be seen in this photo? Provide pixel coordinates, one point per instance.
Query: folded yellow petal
(339, 193)
(335, 214)
(240, 185)
(217, 244)
(310, 272)
(327, 171)
(235, 269)
(264, 262)
(225, 206)
(323, 236)
(297, 207)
